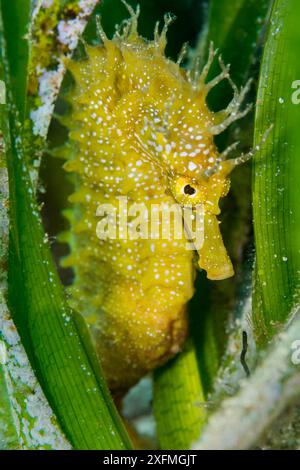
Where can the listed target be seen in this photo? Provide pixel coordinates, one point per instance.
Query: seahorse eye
(189, 190)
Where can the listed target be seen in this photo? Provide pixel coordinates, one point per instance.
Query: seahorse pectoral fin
(213, 257)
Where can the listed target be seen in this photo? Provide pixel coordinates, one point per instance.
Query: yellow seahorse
(140, 128)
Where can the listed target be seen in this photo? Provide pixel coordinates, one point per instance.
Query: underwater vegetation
(135, 147)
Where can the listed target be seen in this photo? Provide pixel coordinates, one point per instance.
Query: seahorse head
(175, 131)
(177, 136)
